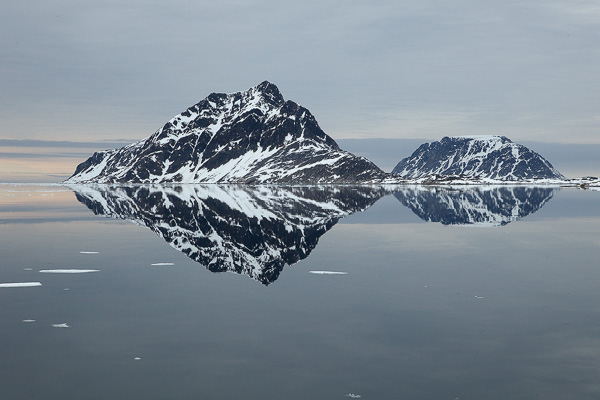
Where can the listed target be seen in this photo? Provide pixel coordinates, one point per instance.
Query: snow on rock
(253, 136)
(476, 157)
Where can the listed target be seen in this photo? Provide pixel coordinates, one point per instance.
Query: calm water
(426, 294)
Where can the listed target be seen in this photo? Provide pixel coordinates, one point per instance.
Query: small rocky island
(489, 157)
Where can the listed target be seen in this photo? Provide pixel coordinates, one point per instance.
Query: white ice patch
(163, 263)
(63, 325)
(89, 252)
(137, 358)
(20, 284)
(28, 321)
(353, 396)
(327, 272)
(479, 297)
(68, 271)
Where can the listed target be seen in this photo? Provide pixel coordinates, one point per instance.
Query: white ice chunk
(68, 271)
(89, 252)
(20, 284)
(327, 272)
(63, 325)
(354, 396)
(28, 320)
(163, 263)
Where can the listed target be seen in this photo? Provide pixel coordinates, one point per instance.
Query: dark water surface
(498, 297)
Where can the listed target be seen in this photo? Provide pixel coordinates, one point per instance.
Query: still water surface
(437, 293)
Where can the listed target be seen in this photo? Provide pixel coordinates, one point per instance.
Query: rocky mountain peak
(253, 136)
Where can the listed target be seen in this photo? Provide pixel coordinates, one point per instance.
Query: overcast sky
(84, 71)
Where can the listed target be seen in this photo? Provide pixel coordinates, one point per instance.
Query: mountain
(247, 137)
(491, 157)
(249, 230)
(481, 205)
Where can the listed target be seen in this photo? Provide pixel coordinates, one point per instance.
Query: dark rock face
(493, 157)
(255, 231)
(246, 137)
(479, 205)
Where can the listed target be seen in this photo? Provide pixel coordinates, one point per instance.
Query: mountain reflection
(255, 231)
(479, 205)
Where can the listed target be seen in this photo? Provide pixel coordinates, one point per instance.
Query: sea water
(426, 294)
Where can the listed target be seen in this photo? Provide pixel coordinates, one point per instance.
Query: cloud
(90, 71)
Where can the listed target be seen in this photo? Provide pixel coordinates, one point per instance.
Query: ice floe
(20, 284)
(137, 358)
(63, 325)
(353, 396)
(163, 264)
(89, 252)
(27, 321)
(68, 271)
(328, 272)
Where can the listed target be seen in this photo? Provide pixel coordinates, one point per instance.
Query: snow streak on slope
(482, 206)
(254, 231)
(245, 137)
(493, 157)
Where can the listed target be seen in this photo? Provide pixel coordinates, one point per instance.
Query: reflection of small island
(255, 231)
(470, 205)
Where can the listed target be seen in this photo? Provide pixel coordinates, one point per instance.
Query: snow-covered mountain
(249, 230)
(246, 137)
(491, 157)
(481, 205)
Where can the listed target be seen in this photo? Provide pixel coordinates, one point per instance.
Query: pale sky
(87, 71)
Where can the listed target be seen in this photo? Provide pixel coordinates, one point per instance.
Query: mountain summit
(492, 157)
(253, 136)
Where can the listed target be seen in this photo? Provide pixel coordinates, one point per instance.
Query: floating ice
(354, 396)
(163, 263)
(327, 272)
(68, 271)
(28, 320)
(89, 252)
(137, 358)
(63, 325)
(479, 297)
(27, 269)
(20, 284)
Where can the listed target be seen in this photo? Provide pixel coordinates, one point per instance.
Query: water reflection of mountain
(477, 205)
(248, 230)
